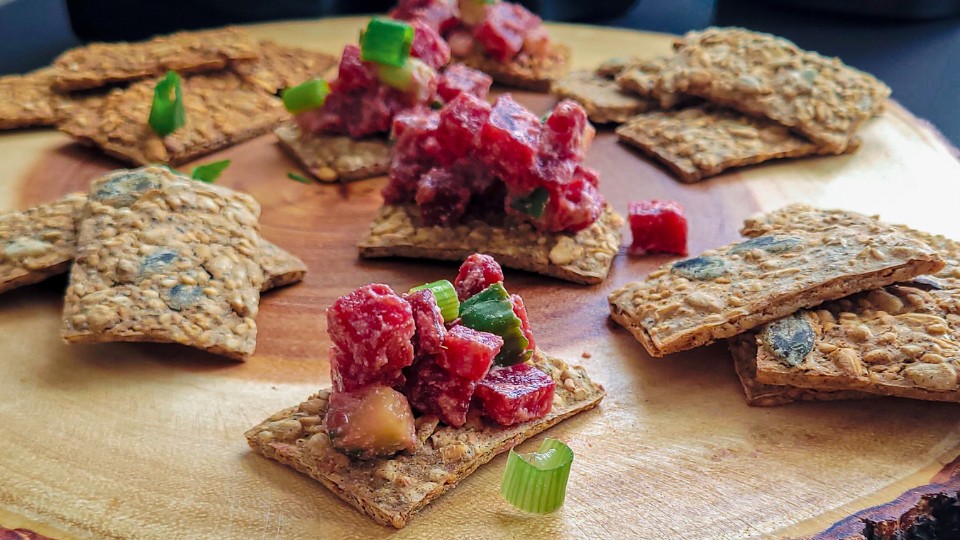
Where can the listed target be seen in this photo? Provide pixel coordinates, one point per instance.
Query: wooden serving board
(134, 440)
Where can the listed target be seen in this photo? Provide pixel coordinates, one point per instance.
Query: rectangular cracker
(768, 76)
(330, 158)
(603, 100)
(27, 100)
(743, 348)
(584, 257)
(101, 64)
(703, 141)
(643, 77)
(734, 288)
(612, 67)
(39, 242)
(524, 71)
(281, 67)
(163, 258)
(392, 490)
(221, 110)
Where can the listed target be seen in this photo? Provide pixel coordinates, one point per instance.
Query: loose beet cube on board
(477, 272)
(428, 45)
(658, 226)
(459, 79)
(515, 394)
(469, 353)
(460, 124)
(371, 329)
(429, 322)
(432, 389)
(503, 30)
(511, 138)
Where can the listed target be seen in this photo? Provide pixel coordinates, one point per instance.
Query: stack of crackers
(729, 97)
(156, 256)
(102, 93)
(815, 305)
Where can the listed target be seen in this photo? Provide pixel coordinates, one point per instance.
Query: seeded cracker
(280, 268)
(392, 490)
(764, 75)
(584, 257)
(281, 67)
(703, 141)
(642, 78)
(524, 71)
(27, 100)
(164, 258)
(101, 64)
(329, 158)
(732, 289)
(221, 110)
(743, 348)
(603, 100)
(615, 66)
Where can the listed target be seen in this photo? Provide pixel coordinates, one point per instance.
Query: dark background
(918, 58)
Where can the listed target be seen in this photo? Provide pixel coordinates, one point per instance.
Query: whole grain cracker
(602, 98)
(734, 288)
(584, 257)
(768, 76)
(612, 67)
(642, 78)
(524, 71)
(27, 100)
(330, 158)
(281, 67)
(392, 490)
(163, 258)
(703, 141)
(100, 64)
(280, 267)
(221, 110)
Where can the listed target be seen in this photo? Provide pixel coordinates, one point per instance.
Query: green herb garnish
(209, 172)
(307, 96)
(387, 42)
(167, 113)
(537, 482)
(298, 178)
(446, 296)
(533, 204)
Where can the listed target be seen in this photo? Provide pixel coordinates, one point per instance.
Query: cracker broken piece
(524, 71)
(101, 64)
(392, 490)
(221, 110)
(615, 66)
(164, 258)
(768, 76)
(743, 348)
(642, 78)
(280, 267)
(281, 67)
(38, 243)
(703, 141)
(27, 100)
(602, 98)
(330, 158)
(734, 288)
(583, 257)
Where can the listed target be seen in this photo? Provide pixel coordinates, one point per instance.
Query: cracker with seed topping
(281, 67)
(27, 100)
(765, 75)
(524, 71)
(612, 67)
(583, 257)
(221, 110)
(642, 78)
(330, 158)
(280, 267)
(101, 64)
(734, 288)
(743, 348)
(703, 141)
(602, 98)
(163, 258)
(392, 490)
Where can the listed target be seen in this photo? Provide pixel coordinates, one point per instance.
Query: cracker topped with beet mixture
(427, 386)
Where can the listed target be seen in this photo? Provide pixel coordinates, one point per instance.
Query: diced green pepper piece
(386, 42)
(532, 204)
(490, 310)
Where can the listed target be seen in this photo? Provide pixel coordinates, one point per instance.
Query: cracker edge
(288, 144)
(517, 75)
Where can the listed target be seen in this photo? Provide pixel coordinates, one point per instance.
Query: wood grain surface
(146, 441)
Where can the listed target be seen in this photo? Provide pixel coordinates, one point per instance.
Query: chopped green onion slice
(307, 96)
(532, 204)
(209, 172)
(446, 297)
(537, 482)
(166, 113)
(491, 310)
(387, 42)
(298, 178)
(436, 105)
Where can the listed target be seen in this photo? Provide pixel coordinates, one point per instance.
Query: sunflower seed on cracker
(642, 78)
(281, 67)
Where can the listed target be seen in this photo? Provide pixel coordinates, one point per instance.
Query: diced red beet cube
(428, 45)
(459, 79)
(371, 329)
(419, 121)
(477, 272)
(353, 73)
(657, 226)
(442, 197)
(502, 32)
(521, 312)
(515, 394)
(511, 140)
(567, 133)
(461, 42)
(536, 42)
(572, 205)
(469, 353)
(414, 153)
(438, 14)
(434, 390)
(460, 124)
(429, 322)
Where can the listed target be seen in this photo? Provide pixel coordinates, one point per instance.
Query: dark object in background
(899, 9)
(113, 20)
